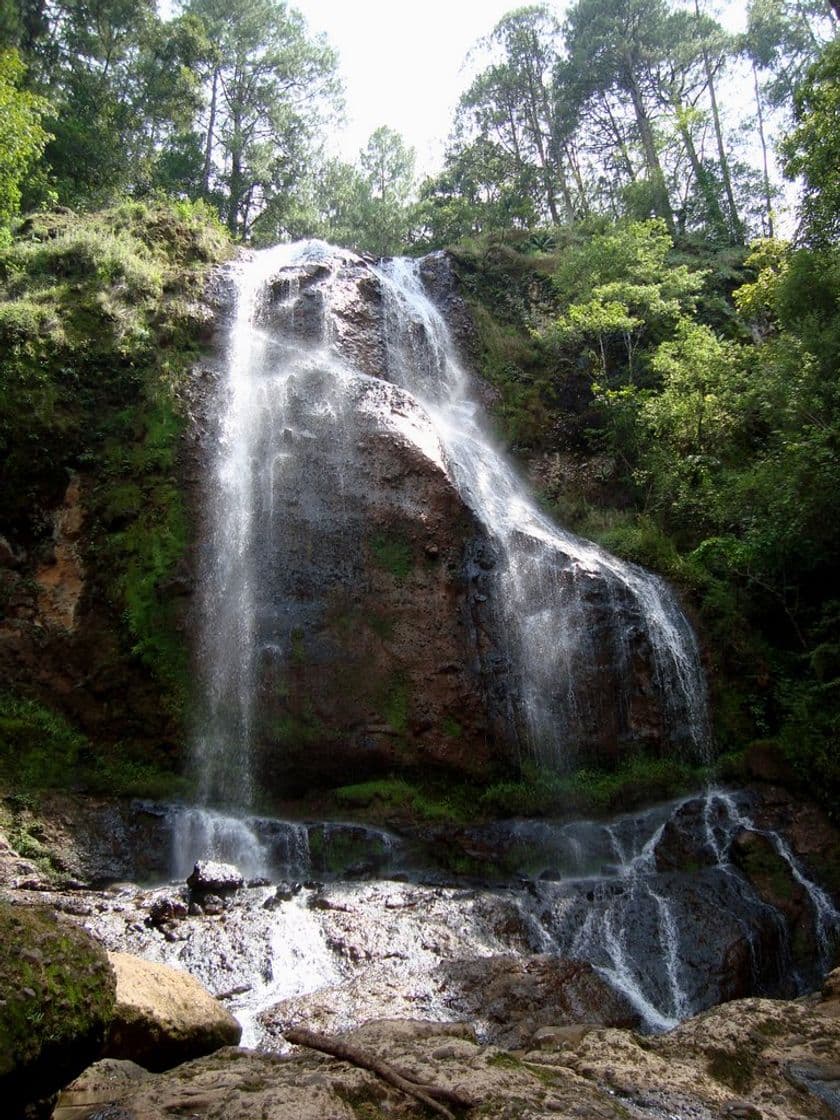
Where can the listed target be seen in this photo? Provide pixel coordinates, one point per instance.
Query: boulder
(56, 1002)
(163, 1016)
(209, 877)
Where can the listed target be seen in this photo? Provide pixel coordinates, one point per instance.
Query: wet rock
(515, 997)
(813, 838)
(683, 844)
(217, 878)
(98, 841)
(212, 904)
(831, 987)
(17, 872)
(167, 909)
(441, 281)
(56, 1001)
(164, 1016)
(773, 879)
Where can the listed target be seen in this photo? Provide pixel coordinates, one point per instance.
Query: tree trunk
(235, 177)
(661, 202)
(620, 141)
(549, 167)
(211, 128)
(767, 193)
(704, 182)
(735, 223)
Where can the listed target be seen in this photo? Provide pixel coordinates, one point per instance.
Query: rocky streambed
(569, 977)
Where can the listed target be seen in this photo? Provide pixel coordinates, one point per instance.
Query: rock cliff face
(61, 641)
(377, 592)
(385, 630)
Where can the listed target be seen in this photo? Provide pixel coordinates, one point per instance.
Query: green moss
(58, 998)
(733, 1070)
(385, 798)
(395, 704)
(340, 851)
(502, 1060)
(388, 791)
(97, 331)
(394, 554)
(299, 728)
(298, 650)
(765, 867)
(640, 780)
(451, 727)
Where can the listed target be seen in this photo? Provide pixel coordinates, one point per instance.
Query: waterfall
(549, 579)
(588, 645)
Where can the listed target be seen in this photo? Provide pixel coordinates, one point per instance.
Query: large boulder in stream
(56, 1002)
(164, 1016)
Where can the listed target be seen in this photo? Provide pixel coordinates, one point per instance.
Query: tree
(270, 87)
(708, 49)
(518, 106)
(477, 192)
(22, 135)
(387, 168)
(812, 150)
(784, 38)
(614, 44)
(621, 293)
(122, 83)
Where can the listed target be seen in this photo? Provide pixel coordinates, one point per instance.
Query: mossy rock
(56, 1002)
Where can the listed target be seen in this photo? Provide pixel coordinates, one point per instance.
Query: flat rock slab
(163, 1016)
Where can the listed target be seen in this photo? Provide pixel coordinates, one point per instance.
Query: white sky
(402, 64)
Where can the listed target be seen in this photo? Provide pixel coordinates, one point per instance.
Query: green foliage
(637, 781)
(22, 135)
(617, 288)
(702, 442)
(812, 150)
(40, 750)
(390, 798)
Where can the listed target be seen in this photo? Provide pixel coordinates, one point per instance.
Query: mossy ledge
(102, 317)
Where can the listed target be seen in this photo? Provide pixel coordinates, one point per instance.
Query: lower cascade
(379, 591)
(599, 921)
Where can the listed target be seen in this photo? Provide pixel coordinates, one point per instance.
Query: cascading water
(561, 625)
(591, 649)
